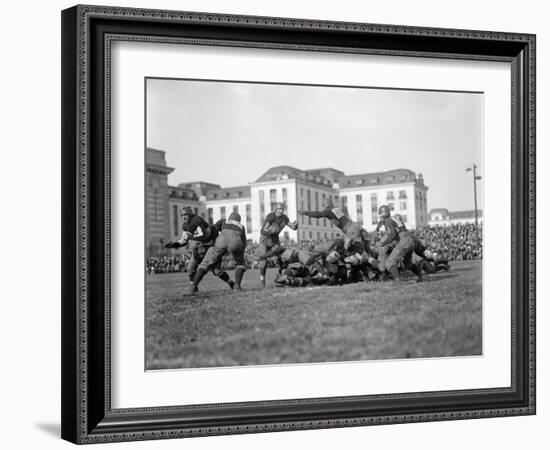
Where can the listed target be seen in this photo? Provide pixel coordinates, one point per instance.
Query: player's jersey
(200, 230)
(335, 214)
(231, 228)
(392, 229)
(419, 248)
(272, 219)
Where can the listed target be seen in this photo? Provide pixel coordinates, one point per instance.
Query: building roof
(183, 193)
(439, 210)
(470, 214)
(377, 178)
(235, 192)
(450, 215)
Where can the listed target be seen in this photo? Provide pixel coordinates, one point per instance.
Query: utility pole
(476, 177)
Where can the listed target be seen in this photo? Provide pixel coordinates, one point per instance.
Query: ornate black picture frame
(87, 414)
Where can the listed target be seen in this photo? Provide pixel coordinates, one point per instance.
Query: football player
(401, 242)
(270, 244)
(432, 262)
(302, 268)
(353, 231)
(203, 235)
(231, 239)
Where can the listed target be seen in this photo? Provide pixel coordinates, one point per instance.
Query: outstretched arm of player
(316, 214)
(184, 238)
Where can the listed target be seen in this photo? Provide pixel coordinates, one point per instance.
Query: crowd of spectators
(167, 264)
(453, 242)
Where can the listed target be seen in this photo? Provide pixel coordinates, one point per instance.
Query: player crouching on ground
(431, 262)
(270, 244)
(354, 257)
(197, 230)
(401, 242)
(232, 239)
(301, 268)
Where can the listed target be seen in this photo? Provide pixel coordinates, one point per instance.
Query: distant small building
(442, 216)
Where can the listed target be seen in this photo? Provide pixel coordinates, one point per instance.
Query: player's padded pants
(197, 256)
(267, 247)
(214, 255)
(401, 252)
(383, 255)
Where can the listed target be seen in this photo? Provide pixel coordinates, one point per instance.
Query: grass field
(218, 327)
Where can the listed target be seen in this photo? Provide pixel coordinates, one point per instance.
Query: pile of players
(350, 259)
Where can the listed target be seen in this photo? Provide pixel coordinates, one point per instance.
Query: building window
(317, 205)
(309, 205)
(359, 201)
(222, 212)
(374, 208)
(236, 208)
(272, 199)
(403, 195)
(211, 216)
(311, 235)
(402, 206)
(262, 207)
(176, 228)
(323, 201)
(248, 218)
(389, 195)
(344, 201)
(285, 196)
(301, 192)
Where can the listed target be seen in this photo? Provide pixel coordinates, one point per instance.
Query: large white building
(360, 195)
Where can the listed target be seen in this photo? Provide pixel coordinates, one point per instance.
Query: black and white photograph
(302, 223)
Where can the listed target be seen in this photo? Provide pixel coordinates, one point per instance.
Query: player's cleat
(420, 279)
(447, 267)
(262, 284)
(238, 287)
(192, 290)
(231, 284)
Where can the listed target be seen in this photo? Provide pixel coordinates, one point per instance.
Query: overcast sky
(231, 133)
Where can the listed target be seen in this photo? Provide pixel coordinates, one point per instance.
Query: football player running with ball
(270, 244)
(196, 229)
